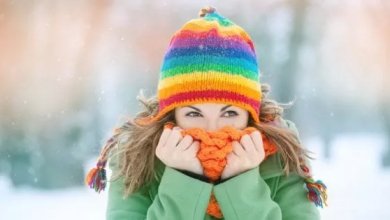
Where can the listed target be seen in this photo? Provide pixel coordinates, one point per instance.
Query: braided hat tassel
(316, 189)
(96, 178)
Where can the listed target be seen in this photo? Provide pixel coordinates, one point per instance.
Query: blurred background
(70, 72)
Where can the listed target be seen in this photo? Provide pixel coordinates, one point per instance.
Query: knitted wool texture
(213, 150)
(209, 59)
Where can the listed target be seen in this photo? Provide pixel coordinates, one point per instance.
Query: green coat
(263, 192)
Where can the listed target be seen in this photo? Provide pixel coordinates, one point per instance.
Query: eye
(193, 114)
(231, 114)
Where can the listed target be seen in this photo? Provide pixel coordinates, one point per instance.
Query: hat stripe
(229, 69)
(207, 95)
(209, 39)
(222, 21)
(213, 51)
(201, 25)
(215, 79)
(195, 59)
(195, 86)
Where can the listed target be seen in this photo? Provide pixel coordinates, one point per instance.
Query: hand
(246, 154)
(179, 152)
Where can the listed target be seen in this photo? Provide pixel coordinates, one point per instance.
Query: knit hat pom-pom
(206, 10)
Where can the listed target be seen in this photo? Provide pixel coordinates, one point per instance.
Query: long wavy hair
(136, 144)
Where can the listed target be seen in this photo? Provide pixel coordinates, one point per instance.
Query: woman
(211, 145)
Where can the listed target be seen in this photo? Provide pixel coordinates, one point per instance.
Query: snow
(77, 203)
(357, 187)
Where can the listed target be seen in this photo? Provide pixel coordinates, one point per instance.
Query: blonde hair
(136, 144)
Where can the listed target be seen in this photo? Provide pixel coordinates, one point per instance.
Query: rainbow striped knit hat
(210, 59)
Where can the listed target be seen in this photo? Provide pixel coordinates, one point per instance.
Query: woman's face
(211, 116)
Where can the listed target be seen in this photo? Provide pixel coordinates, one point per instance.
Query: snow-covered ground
(357, 187)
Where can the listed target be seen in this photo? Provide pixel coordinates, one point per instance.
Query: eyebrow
(222, 109)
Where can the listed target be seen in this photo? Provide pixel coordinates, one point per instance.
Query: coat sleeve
(291, 198)
(292, 186)
(178, 197)
(249, 196)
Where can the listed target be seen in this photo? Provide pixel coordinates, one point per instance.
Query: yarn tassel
(96, 178)
(316, 192)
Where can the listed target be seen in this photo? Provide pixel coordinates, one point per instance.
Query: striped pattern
(210, 59)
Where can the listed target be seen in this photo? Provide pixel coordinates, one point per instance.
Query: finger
(247, 143)
(230, 158)
(258, 140)
(173, 139)
(176, 128)
(164, 136)
(185, 142)
(162, 141)
(194, 147)
(238, 150)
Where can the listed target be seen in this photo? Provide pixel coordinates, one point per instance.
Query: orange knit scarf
(214, 147)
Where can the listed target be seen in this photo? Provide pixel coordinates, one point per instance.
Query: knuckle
(243, 140)
(176, 133)
(166, 131)
(188, 138)
(256, 133)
